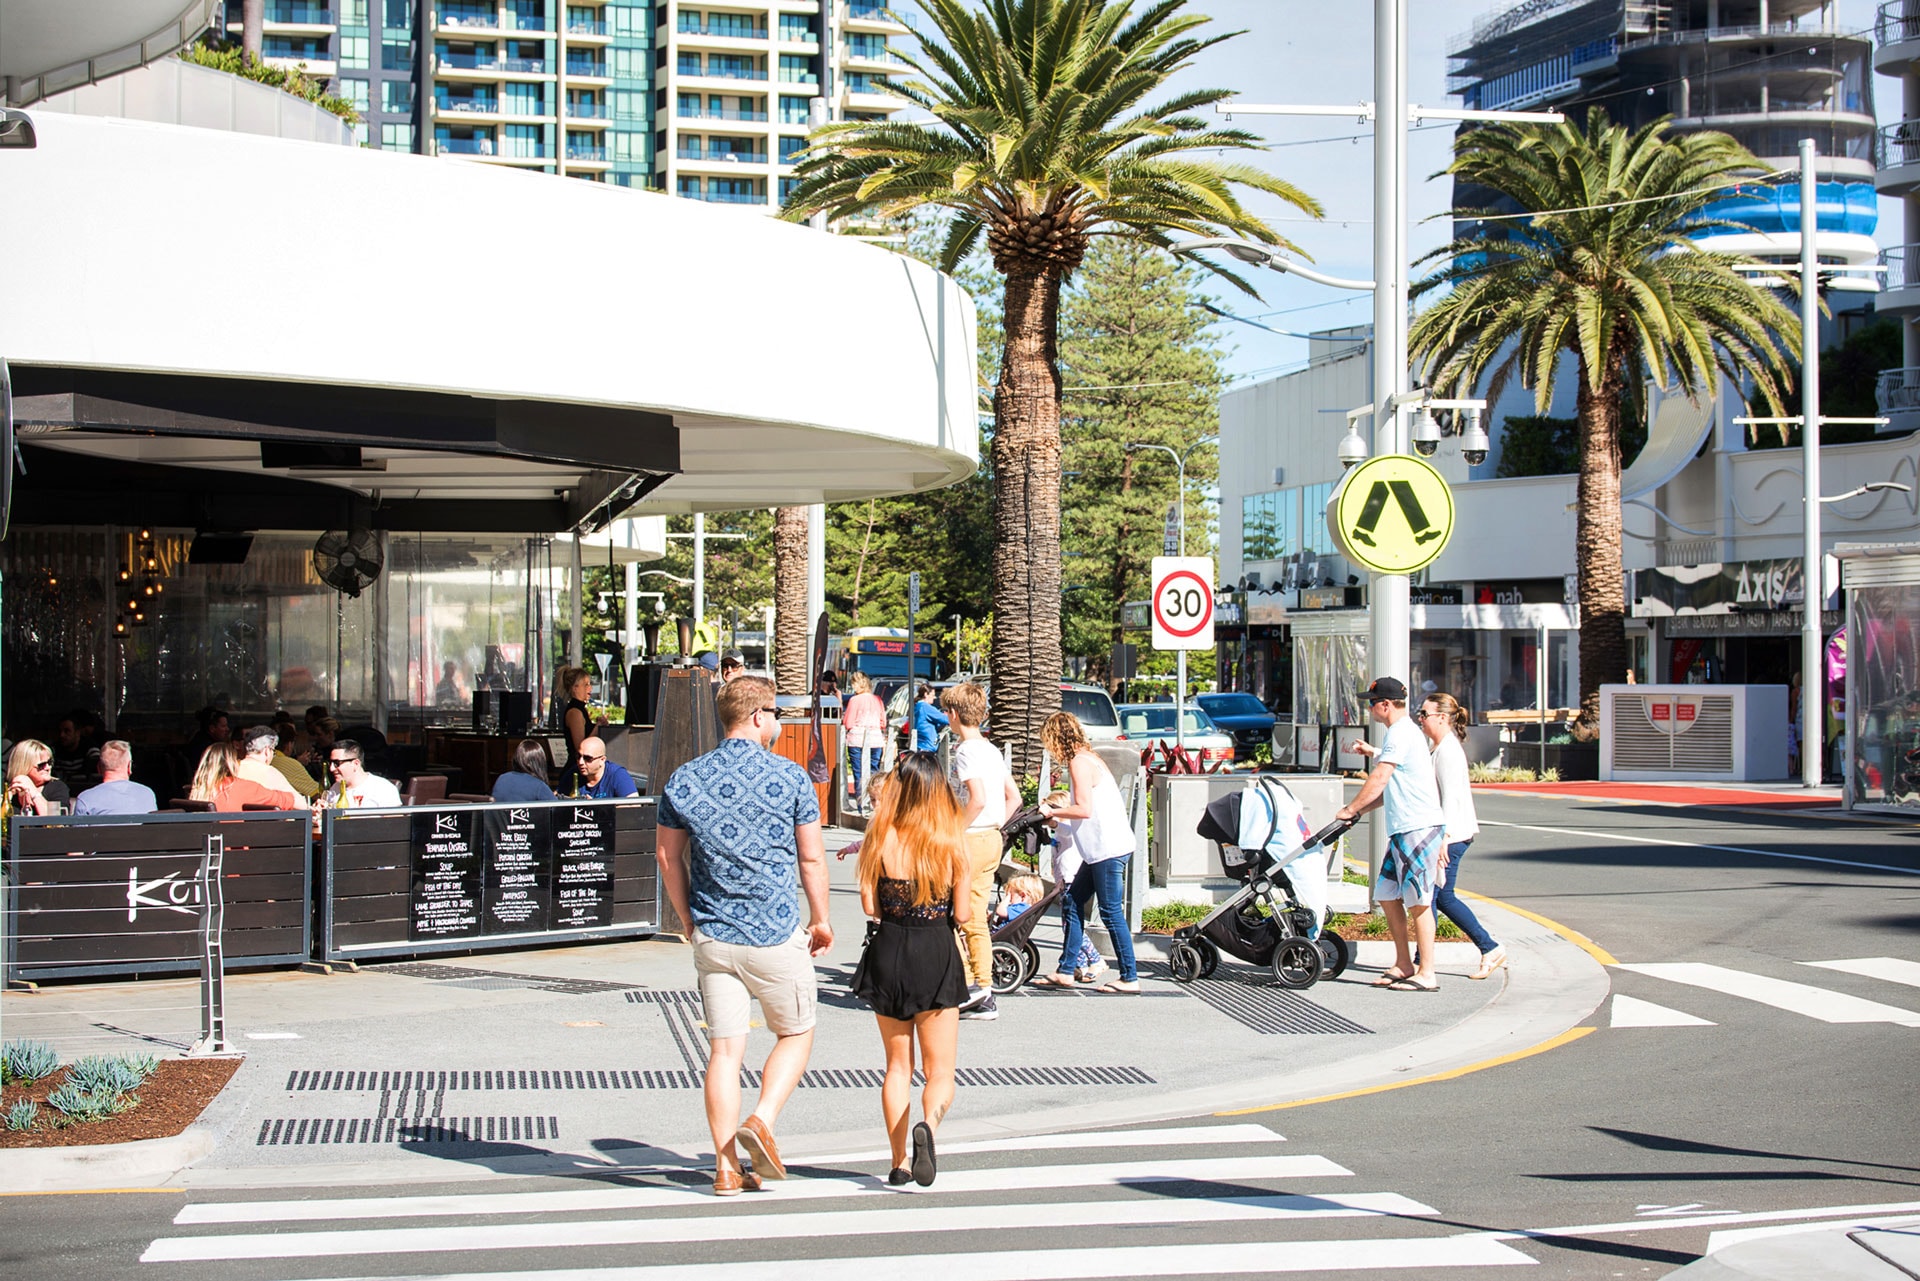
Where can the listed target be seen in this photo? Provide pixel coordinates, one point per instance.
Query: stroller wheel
(1009, 968)
(1296, 963)
(1184, 962)
(1032, 955)
(1335, 952)
(1209, 956)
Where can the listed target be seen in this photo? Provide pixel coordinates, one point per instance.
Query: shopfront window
(1881, 695)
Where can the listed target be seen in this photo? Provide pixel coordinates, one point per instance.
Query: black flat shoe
(899, 1177)
(923, 1163)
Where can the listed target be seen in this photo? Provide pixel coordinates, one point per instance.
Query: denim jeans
(1447, 903)
(1106, 881)
(856, 778)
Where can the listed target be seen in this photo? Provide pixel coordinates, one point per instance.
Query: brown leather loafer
(751, 1180)
(726, 1183)
(757, 1139)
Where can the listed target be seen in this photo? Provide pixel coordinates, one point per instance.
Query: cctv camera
(1474, 457)
(1426, 435)
(1474, 443)
(1426, 448)
(1353, 450)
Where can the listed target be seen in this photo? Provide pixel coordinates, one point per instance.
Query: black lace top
(896, 903)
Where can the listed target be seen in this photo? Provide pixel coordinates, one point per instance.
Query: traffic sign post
(1182, 607)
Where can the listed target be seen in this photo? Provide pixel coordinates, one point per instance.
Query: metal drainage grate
(427, 1131)
(498, 980)
(421, 1084)
(1269, 1010)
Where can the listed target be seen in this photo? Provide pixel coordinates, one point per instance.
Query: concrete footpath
(590, 1057)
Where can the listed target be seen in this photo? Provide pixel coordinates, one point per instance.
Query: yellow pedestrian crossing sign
(1392, 514)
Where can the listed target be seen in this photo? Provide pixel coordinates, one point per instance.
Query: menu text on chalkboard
(582, 867)
(446, 890)
(519, 869)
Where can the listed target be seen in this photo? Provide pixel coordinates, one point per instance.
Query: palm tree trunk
(1026, 662)
(253, 17)
(1603, 597)
(790, 661)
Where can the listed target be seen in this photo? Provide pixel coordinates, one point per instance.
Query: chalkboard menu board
(519, 869)
(582, 867)
(445, 900)
(515, 870)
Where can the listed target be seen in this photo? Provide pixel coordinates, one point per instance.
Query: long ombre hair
(917, 812)
(217, 768)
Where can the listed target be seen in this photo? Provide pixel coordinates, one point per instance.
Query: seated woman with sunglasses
(527, 780)
(29, 770)
(914, 875)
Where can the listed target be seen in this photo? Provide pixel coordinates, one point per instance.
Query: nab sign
(1392, 514)
(1182, 602)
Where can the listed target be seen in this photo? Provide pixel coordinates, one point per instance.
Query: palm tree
(792, 630)
(1041, 136)
(1601, 267)
(253, 14)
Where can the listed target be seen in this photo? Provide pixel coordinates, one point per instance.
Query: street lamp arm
(661, 573)
(1260, 256)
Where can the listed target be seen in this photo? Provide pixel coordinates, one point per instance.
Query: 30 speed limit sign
(1182, 602)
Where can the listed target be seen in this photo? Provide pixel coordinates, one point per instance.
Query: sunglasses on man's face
(339, 760)
(588, 760)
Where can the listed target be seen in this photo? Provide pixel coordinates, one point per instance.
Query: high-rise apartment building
(1768, 72)
(1897, 54)
(704, 100)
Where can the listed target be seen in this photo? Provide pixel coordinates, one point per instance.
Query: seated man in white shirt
(353, 787)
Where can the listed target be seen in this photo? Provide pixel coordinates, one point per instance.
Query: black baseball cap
(1384, 687)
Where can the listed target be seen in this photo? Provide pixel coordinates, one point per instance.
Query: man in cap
(732, 663)
(1402, 780)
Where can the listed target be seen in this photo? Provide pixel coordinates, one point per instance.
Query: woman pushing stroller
(1095, 822)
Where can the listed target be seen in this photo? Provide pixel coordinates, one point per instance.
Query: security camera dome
(1426, 448)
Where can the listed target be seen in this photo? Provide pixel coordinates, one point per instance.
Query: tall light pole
(1180, 680)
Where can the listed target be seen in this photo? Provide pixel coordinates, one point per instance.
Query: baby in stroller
(1024, 901)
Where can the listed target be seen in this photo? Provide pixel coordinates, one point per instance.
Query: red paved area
(1667, 794)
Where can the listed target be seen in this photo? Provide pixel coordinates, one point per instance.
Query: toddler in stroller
(1025, 901)
(1271, 921)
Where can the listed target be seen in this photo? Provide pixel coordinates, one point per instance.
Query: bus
(881, 652)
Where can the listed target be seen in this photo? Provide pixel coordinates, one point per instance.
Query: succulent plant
(27, 1060)
(98, 1074)
(76, 1105)
(22, 1115)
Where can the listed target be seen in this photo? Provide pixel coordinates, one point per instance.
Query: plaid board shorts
(1408, 871)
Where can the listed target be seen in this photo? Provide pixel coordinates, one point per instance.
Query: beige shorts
(733, 976)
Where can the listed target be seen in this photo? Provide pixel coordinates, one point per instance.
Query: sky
(1321, 51)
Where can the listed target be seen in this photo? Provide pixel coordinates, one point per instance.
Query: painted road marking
(272, 1036)
(1020, 1178)
(1174, 1136)
(1795, 998)
(1475, 1250)
(1716, 1219)
(1875, 967)
(1629, 1012)
(759, 1227)
(1721, 1240)
(1701, 845)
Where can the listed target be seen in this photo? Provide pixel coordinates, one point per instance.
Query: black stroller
(1265, 922)
(1015, 959)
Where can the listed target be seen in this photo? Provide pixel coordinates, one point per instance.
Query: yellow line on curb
(93, 1192)
(1572, 936)
(1570, 1035)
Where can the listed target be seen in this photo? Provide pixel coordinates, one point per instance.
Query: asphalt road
(1777, 1086)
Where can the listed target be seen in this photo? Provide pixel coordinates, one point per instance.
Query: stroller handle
(1331, 832)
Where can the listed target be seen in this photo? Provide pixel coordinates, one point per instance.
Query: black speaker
(219, 549)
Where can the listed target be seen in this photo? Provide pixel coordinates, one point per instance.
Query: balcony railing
(729, 30)
(505, 148)
(1897, 390)
(576, 151)
(531, 22)
(489, 62)
(1902, 263)
(726, 197)
(722, 72)
(583, 67)
(582, 27)
(1897, 144)
(455, 106)
(588, 110)
(721, 113)
(483, 19)
(724, 154)
(306, 15)
(1895, 23)
(465, 146)
(868, 9)
(791, 77)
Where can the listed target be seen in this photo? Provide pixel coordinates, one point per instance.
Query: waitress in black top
(576, 683)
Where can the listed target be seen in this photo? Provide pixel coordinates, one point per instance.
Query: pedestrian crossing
(1821, 1004)
(1186, 1201)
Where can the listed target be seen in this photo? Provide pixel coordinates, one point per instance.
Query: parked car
(1151, 724)
(1241, 715)
(1089, 703)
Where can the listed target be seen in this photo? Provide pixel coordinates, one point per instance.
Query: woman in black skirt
(913, 883)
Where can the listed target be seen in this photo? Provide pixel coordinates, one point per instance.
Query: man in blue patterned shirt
(739, 840)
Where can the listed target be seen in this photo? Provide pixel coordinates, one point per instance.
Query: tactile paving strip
(395, 1086)
(1259, 1004)
(313, 1131)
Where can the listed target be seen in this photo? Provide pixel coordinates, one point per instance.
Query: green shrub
(1510, 774)
(98, 1074)
(1168, 917)
(22, 1115)
(226, 56)
(27, 1060)
(77, 1106)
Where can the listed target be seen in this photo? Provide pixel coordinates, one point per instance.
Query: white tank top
(1105, 834)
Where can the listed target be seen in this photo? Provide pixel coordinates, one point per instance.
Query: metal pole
(1388, 593)
(957, 664)
(577, 613)
(699, 568)
(1180, 662)
(630, 629)
(1812, 690)
(1544, 640)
